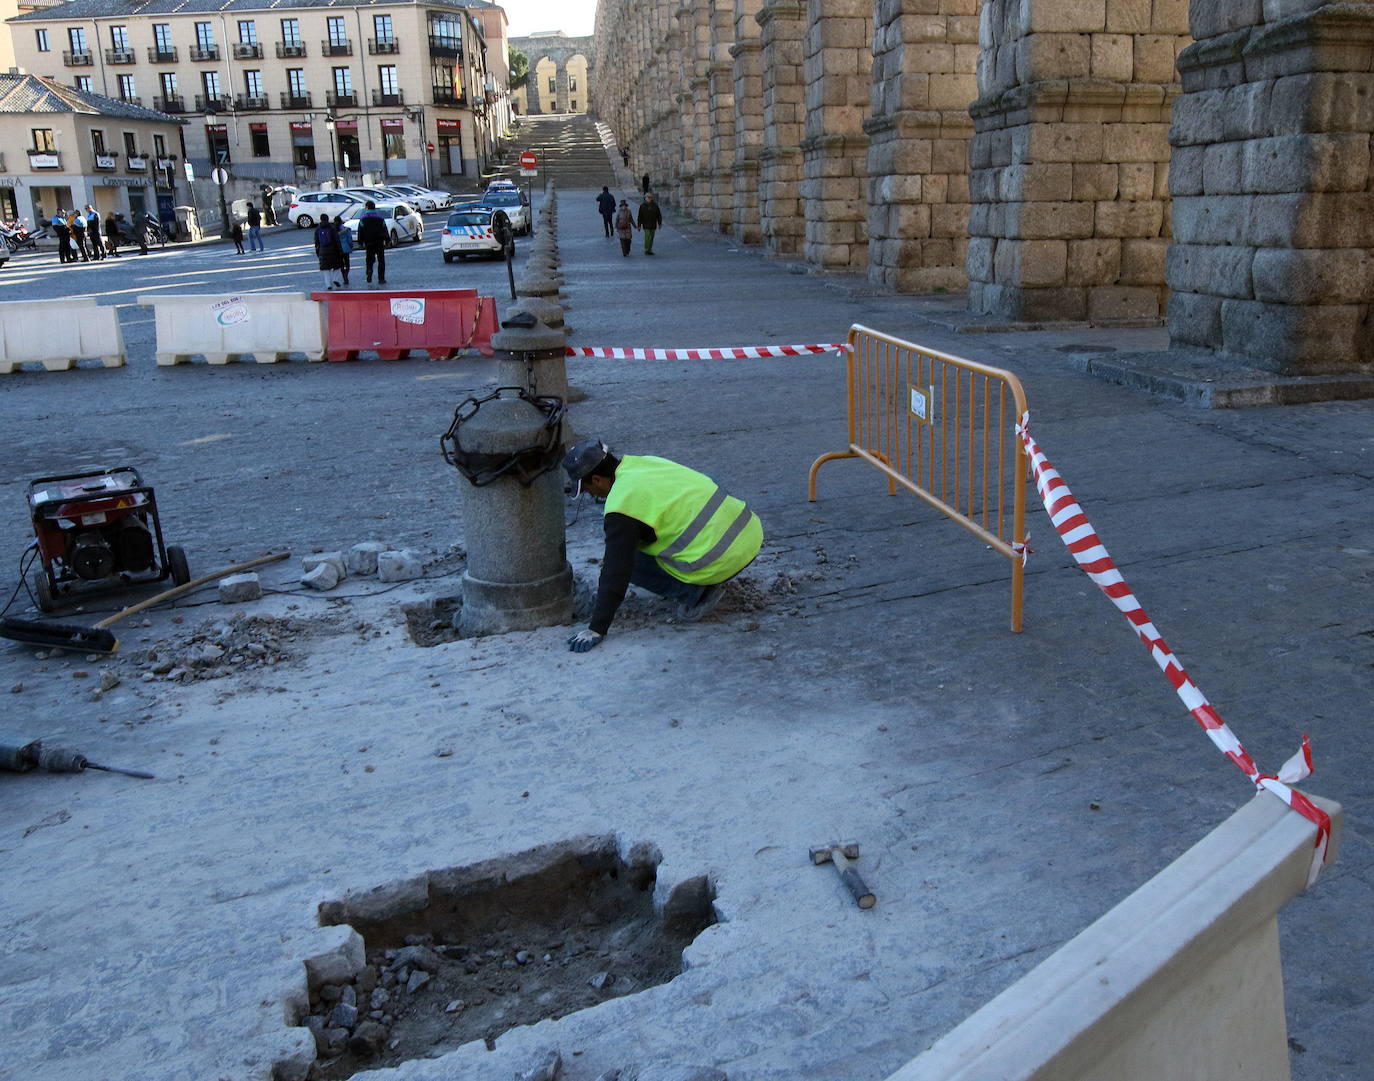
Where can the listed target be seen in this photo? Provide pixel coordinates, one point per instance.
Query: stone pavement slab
(869, 690)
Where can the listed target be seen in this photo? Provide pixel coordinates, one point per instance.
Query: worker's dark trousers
(647, 574)
(378, 255)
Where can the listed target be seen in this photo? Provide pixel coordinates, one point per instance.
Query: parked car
(471, 230)
(306, 208)
(403, 222)
(426, 198)
(514, 202)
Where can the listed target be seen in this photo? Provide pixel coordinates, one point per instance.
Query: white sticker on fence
(231, 312)
(923, 403)
(408, 309)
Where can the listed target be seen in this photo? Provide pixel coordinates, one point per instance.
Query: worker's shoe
(703, 605)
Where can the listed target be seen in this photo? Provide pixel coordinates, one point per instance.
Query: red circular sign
(528, 160)
(429, 147)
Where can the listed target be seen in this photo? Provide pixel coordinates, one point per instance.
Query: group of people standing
(334, 247)
(254, 231)
(83, 237)
(622, 221)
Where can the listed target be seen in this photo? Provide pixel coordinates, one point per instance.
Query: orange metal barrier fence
(945, 428)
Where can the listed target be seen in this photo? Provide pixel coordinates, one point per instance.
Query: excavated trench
(512, 947)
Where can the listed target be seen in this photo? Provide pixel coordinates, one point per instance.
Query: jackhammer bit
(55, 760)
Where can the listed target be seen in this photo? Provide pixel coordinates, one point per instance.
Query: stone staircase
(571, 150)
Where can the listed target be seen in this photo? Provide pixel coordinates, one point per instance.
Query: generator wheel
(176, 563)
(42, 591)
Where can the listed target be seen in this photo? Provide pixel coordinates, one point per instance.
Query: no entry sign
(528, 160)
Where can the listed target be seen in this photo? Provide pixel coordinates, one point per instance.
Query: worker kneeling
(669, 529)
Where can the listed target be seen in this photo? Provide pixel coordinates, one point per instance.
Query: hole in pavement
(430, 622)
(1085, 349)
(468, 954)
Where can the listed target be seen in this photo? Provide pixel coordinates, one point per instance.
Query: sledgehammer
(840, 855)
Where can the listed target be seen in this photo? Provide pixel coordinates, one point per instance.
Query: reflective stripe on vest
(702, 533)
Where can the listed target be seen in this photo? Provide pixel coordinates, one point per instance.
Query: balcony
(106, 160)
(385, 45)
(295, 101)
(170, 103)
(443, 45)
(336, 48)
(248, 50)
(288, 49)
(120, 56)
(167, 55)
(78, 60)
(204, 52)
(446, 95)
(247, 101)
(380, 98)
(342, 101)
(132, 99)
(44, 159)
(213, 104)
(136, 163)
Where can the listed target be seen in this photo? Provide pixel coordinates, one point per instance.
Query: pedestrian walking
(372, 236)
(112, 234)
(236, 235)
(269, 214)
(605, 202)
(93, 232)
(328, 250)
(66, 247)
(669, 529)
(625, 155)
(77, 224)
(255, 228)
(624, 226)
(644, 184)
(650, 220)
(141, 231)
(346, 250)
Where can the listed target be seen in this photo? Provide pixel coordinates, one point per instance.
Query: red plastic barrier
(441, 322)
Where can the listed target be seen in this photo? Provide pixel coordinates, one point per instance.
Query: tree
(519, 68)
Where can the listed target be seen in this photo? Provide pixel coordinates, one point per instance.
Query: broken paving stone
(362, 558)
(322, 576)
(421, 957)
(454, 1006)
(368, 1039)
(403, 566)
(416, 981)
(240, 588)
(343, 1016)
(601, 980)
(109, 680)
(547, 1070)
(18, 688)
(334, 559)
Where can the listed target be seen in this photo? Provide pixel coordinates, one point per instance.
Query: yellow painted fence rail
(945, 428)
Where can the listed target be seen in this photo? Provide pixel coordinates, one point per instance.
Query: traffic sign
(219, 176)
(429, 148)
(528, 160)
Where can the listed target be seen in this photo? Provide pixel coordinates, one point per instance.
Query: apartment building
(294, 91)
(61, 148)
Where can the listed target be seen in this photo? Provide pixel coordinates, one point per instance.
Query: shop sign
(44, 161)
(302, 125)
(104, 161)
(138, 162)
(392, 125)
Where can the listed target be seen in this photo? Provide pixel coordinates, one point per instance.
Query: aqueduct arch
(568, 62)
(1101, 160)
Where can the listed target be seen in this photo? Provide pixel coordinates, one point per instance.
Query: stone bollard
(531, 355)
(548, 312)
(532, 285)
(517, 575)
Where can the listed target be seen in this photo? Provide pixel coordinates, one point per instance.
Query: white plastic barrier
(1182, 979)
(224, 327)
(58, 333)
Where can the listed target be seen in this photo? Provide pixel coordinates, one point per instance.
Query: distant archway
(561, 71)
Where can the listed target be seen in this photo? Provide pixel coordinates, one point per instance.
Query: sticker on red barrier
(1088, 551)
(742, 352)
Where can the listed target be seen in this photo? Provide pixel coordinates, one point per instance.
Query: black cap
(582, 458)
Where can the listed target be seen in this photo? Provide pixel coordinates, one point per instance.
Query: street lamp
(329, 123)
(418, 115)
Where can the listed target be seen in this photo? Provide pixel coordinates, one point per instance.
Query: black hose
(31, 552)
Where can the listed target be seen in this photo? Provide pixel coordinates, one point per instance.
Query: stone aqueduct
(1104, 160)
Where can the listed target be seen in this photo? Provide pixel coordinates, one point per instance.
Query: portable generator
(98, 530)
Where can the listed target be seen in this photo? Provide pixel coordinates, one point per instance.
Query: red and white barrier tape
(743, 352)
(1087, 549)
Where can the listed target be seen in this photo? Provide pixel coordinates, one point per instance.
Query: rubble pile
(223, 647)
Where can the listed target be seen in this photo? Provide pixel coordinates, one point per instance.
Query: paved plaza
(862, 685)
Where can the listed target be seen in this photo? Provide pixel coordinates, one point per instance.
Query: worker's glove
(584, 640)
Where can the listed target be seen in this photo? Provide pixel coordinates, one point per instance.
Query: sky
(575, 17)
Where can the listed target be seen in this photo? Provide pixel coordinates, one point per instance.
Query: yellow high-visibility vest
(703, 535)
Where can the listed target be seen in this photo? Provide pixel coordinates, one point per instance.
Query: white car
(470, 230)
(425, 198)
(306, 208)
(512, 200)
(403, 222)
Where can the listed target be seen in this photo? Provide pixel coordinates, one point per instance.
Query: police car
(473, 230)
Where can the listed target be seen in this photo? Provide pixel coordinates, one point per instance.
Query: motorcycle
(17, 235)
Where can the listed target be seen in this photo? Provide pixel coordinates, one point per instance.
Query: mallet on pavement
(840, 855)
